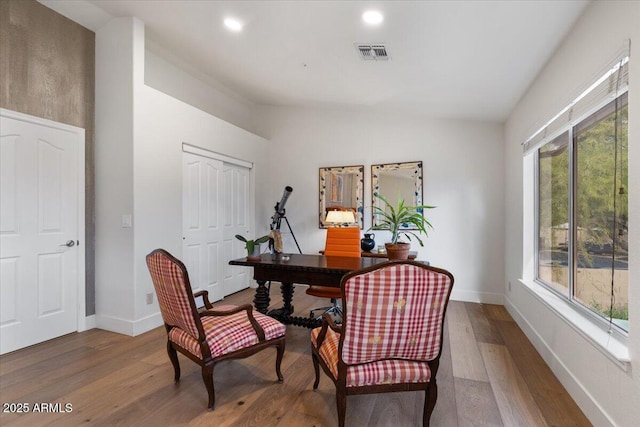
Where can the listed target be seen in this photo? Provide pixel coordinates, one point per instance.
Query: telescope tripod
(271, 245)
(290, 230)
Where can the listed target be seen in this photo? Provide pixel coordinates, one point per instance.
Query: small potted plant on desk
(397, 220)
(252, 246)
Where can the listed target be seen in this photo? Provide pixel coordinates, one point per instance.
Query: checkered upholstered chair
(211, 334)
(391, 335)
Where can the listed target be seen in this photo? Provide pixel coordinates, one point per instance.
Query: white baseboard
(147, 323)
(128, 327)
(88, 322)
(580, 395)
(479, 297)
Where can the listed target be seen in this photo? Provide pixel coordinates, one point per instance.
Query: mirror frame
(416, 167)
(324, 176)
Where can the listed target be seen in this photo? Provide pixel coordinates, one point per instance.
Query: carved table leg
(287, 297)
(283, 313)
(261, 300)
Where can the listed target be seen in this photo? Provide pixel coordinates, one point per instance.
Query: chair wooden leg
(173, 356)
(341, 403)
(430, 397)
(280, 350)
(316, 367)
(207, 377)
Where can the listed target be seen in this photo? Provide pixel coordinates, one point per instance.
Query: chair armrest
(245, 307)
(205, 297)
(327, 322)
(213, 311)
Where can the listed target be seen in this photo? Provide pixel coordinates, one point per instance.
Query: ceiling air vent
(375, 52)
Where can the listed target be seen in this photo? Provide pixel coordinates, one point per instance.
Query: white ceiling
(456, 59)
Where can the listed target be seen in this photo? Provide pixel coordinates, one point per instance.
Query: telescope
(285, 196)
(279, 208)
(276, 219)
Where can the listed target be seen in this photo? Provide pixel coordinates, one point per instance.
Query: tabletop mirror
(395, 180)
(341, 188)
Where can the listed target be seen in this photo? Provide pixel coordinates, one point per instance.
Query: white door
(237, 208)
(202, 217)
(40, 206)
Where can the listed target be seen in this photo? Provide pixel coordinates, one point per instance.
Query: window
(553, 214)
(582, 213)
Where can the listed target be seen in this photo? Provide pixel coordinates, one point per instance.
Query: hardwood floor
(490, 375)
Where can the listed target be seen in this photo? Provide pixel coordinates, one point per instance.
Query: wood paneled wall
(47, 69)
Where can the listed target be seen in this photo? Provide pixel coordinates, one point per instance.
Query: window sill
(611, 346)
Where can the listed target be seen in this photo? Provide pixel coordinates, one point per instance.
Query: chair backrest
(171, 281)
(343, 241)
(394, 310)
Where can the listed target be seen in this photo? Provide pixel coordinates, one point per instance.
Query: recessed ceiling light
(233, 24)
(372, 17)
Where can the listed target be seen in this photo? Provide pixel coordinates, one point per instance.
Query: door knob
(69, 243)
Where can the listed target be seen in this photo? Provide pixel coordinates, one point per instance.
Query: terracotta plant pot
(397, 250)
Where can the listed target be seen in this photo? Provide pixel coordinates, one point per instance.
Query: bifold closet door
(202, 223)
(236, 221)
(216, 207)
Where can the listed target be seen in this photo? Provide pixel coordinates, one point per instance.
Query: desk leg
(284, 314)
(287, 297)
(261, 300)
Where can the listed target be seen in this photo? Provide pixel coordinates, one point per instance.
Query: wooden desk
(374, 254)
(304, 269)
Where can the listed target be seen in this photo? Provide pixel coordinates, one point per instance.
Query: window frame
(594, 115)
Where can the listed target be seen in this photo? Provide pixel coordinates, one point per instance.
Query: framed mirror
(341, 188)
(394, 180)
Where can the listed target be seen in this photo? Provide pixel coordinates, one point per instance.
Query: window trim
(574, 306)
(615, 348)
(598, 94)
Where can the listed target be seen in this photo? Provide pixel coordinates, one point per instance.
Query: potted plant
(397, 220)
(252, 246)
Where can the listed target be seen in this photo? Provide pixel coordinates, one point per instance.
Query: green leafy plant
(616, 312)
(397, 219)
(251, 244)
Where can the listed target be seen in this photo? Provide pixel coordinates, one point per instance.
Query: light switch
(127, 222)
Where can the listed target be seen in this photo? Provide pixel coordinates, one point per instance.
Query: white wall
(164, 123)
(140, 163)
(168, 78)
(462, 176)
(605, 392)
(114, 169)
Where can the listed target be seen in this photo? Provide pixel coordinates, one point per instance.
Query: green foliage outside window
(600, 151)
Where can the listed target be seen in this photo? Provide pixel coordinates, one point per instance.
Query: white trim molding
(188, 148)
